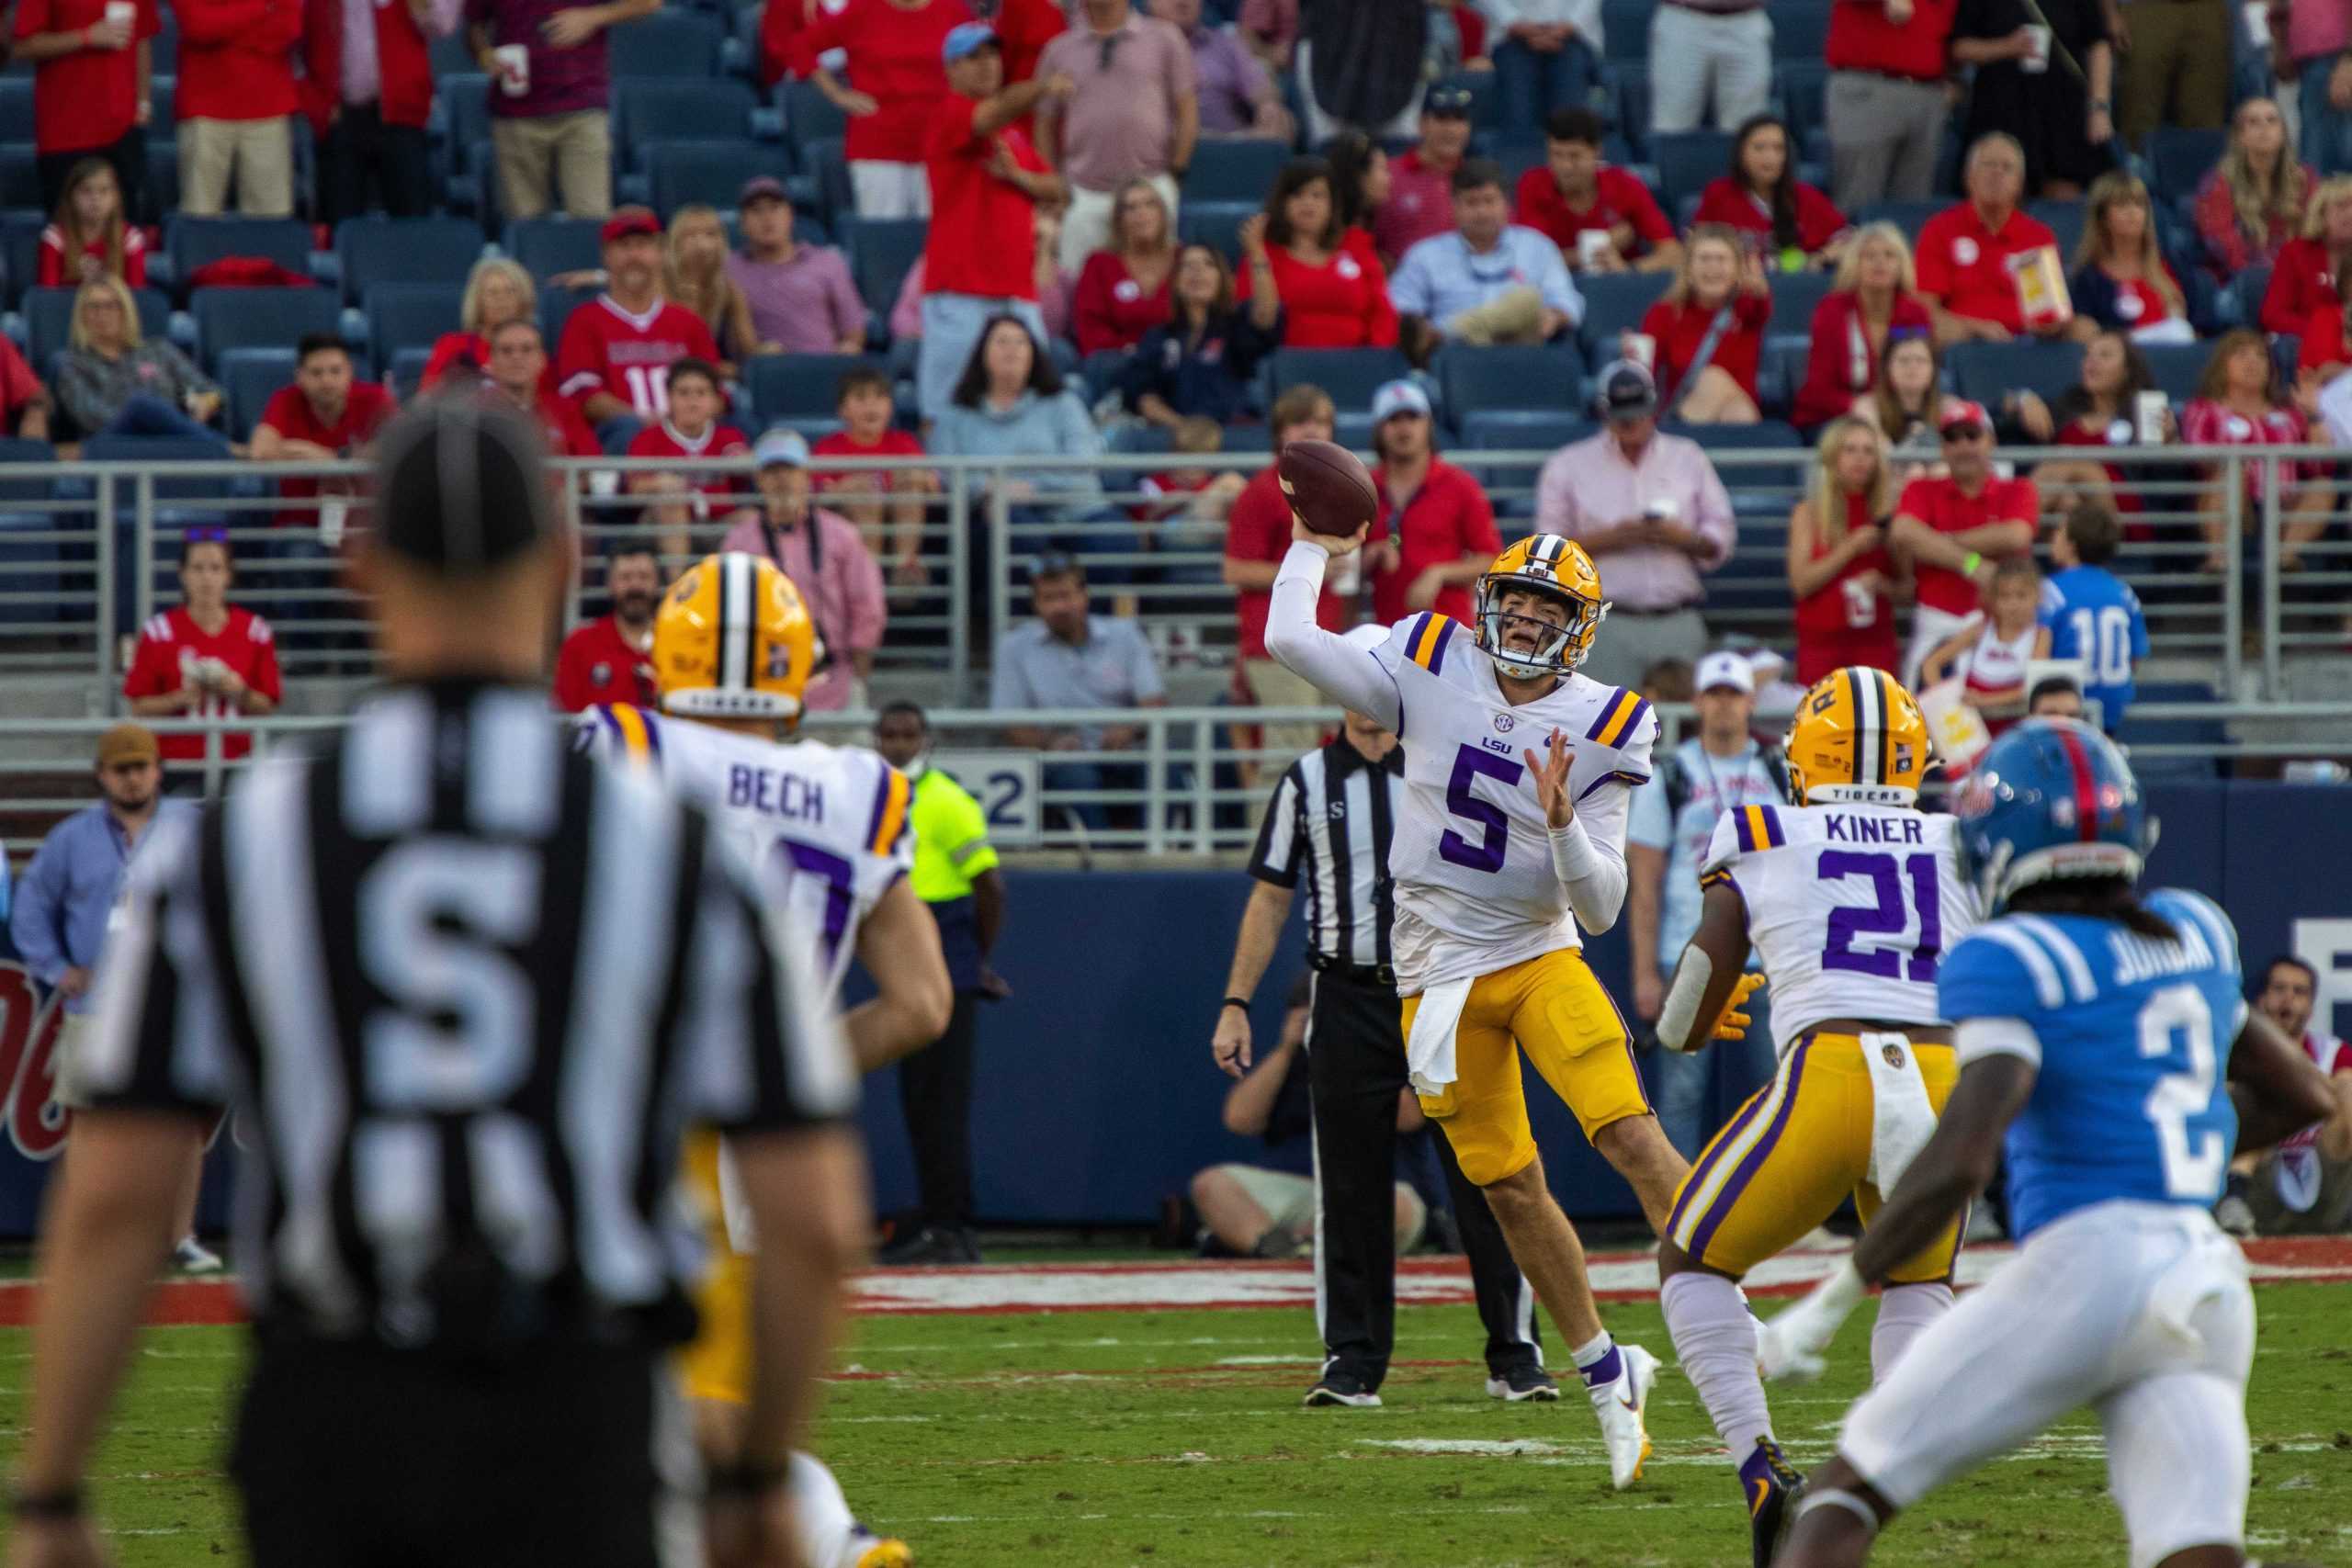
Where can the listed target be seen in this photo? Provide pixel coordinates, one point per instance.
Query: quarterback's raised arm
(1350, 676)
(1590, 856)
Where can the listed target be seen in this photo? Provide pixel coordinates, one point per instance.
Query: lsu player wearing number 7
(2096, 1025)
(826, 827)
(1849, 900)
(1513, 834)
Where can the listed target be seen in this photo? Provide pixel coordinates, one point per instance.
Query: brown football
(1326, 485)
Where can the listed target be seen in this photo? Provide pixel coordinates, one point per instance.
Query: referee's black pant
(1355, 1055)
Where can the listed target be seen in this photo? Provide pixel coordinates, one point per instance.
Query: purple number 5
(1887, 918)
(839, 876)
(1487, 854)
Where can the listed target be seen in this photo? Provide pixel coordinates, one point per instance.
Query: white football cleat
(1620, 1404)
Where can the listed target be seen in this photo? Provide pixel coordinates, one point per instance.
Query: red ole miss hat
(1959, 413)
(629, 222)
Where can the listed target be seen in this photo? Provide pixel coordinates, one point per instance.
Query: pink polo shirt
(843, 587)
(1587, 485)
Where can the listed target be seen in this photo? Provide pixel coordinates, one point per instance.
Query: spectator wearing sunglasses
(206, 659)
(1955, 529)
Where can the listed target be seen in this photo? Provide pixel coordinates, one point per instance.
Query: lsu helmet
(1558, 569)
(1857, 737)
(2053, 798)
(733, 639)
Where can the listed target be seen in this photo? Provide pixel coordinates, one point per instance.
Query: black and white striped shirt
(1329, 825)
(466, 989)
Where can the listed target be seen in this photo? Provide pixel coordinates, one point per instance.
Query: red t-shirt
(290, 413)
(598, 665)
(1840, 359)
(662, 439)
(605, 349)
(895, 443)
(172, 642)
(18, 385)
(1940, 504)
(566, 431)
(1726, 201)
(1965, 265)
(1618, 198)
(893, 59)
(1680, 329)
(1836, 627)
(2301, 280)
(1341, 304)
(55, 274)
(2324, 339)
(1446, 519)
(983, 240)
(237, 59)
(1110, 310)
(1863, 38)
(1258, 528)
(89, 98)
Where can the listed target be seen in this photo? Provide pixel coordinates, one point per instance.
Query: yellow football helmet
(733, 639)
(1858, 735)
(1558, 569)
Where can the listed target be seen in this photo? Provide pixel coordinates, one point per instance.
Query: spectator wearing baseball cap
(802, 297)
(826, 559)
(979, 259)
(1486, 280)
(1719, 768)
(1576, 194)
(1435, 531)
(1954, 529)
(1421, 182)
(550, 99)
(1133, 113)
(893, 49)
(1650, 509)
(614, 356)
(1548, 55)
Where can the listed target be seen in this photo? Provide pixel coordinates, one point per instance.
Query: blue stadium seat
(2178, 366)
(1523, 378)
(163, 193)
(163, 98)
(20, 249)
(1234, 169)
(802, 386)
(663, 110)
(2179, 157)
(1800, 31)
(1485, 102)
(556, 306)
(669, 42)
(406, 250)
(1352, 430)
(1516, 430)
(30, 564)
(2065, 220)
(16, 109)
(711, 173)
(409, 315)
(1795, 297)
(1625, 85)
(1517, 150)
(466, 98)
(49, 317)
(1139, 441)
(20, 175)
(828, 162)
(1906, 216)
(1801, 86)
(881, 249)
(259, 318)
(1767, 434)
(1613, 303)
(1985, 370)
(194, 242)
(249, 378)
(1625, 28)
(809, 117)
(1687, 160)
(407, 372)
(1349, 375)
(184, 502)
(1215, 223)
(543, 246)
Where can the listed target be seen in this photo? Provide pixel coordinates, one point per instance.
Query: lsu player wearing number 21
(1850, 900)
(2103, 1031)
(1513, 834)
(826, 827)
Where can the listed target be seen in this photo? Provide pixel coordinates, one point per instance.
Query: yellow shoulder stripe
(634, 735)
(1433, 633)
(893, 815)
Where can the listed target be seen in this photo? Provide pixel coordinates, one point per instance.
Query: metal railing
(87, 551)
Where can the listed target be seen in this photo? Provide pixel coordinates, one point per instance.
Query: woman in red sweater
(88, 237)
(2302, 280)
(1719, 296)
(1334, 291)
(1840, 573)
(1876, 295)
(1798, 226)
(1123, 292)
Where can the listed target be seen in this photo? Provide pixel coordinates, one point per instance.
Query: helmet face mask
(1543, 571)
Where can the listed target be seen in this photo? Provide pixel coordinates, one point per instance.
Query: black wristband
(745, 1480)
(1241, 1002)
(65, 1503)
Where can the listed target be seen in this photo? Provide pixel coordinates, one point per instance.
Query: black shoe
(1521, 1381)
(1773, 1486)
(933, 1244)
(1342, 1385)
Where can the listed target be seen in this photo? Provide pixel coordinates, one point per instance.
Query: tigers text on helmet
(1558, 570)
(1857, 737)
(733, 639)
(2053, 798)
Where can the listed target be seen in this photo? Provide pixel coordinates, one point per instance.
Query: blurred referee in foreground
(465, 988)
(1328, 825)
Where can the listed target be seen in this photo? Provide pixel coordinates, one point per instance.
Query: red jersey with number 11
(607, 349)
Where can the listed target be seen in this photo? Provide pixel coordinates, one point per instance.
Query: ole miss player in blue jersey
(2103, 1033)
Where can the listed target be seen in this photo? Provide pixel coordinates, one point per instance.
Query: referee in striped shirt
(1327, 827)
(465, 988)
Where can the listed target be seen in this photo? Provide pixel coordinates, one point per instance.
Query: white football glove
(1789, 1345)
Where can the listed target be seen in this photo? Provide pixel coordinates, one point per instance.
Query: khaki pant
(65, 1080)
(2179, 70)
(1086, 227)
(537, 153)
(1514, 316)
(1273, 685)
(258, 153)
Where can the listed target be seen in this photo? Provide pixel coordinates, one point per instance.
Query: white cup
(2038, 61)
(1661, 509)
(2148, 412)
(1642, 349)
(121, 14)
(1591, 245)
(513, 64)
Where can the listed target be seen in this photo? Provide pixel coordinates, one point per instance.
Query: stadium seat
(163, 98)
(881, 249)
(2065, 220)
(2179, 157)
(1800, 31)
(194, 242)
(662, 111)
(809, 117)
(1685, 161)
(16, 109)
(1985, 370)
(544, 246)
(265, 318)
(1470, 380)
(1542, 432)
(1613, 303)
(406, 250)
(1517, 150)
(826, 162)
(1352, 430)
(249, 378)
(1349, 375)
(1795, 297)
(2176, 368)
(1485, 102)
(1625, 29)
(1216, 223)
(409, 315)
(556, 306)
(1802, 86)
(1625, 87)
(20, 250)
(711, 173)
(801, 385)
(1907, 216)
(20, 175)
(35, 593)
(1768, 435)
(466, 98)
(669, 42)
(1234, 169)
(49, 317)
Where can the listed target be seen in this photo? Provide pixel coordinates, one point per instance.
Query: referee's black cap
(461, 486)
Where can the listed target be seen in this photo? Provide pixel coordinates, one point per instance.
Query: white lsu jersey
(826, 827)
(1849, 907)
(1471, 853)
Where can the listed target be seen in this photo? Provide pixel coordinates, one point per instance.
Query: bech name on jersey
(1843, 829)
(776, 792)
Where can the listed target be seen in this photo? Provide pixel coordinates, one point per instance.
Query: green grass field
(1055, 1440)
